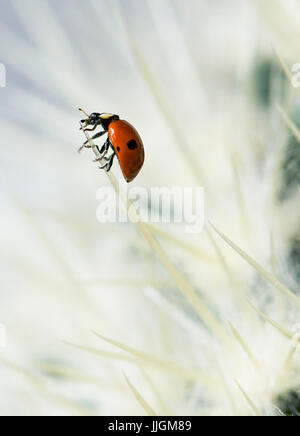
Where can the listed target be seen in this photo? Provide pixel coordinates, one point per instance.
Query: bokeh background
(207, 83)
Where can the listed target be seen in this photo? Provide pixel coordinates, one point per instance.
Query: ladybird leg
(102, 157)
(103, 151)
(105, 147)
(84, 124)
(110, 163)
(99, 134)
(91, 129)
(82, 147)
(87, 123)
(107, 144)
(95, 136)
(85, 145)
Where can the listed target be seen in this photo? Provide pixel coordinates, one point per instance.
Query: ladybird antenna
(85, 113)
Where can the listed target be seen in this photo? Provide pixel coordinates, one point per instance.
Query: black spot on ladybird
(132, 145)
(118, 149)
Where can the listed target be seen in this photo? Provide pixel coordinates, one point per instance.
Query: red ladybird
(122, 138)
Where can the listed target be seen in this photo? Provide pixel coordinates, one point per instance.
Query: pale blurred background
(201, 80)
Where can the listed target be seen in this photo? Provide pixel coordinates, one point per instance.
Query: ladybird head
(94, 118)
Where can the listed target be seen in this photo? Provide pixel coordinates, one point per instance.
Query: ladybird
(123, 140)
